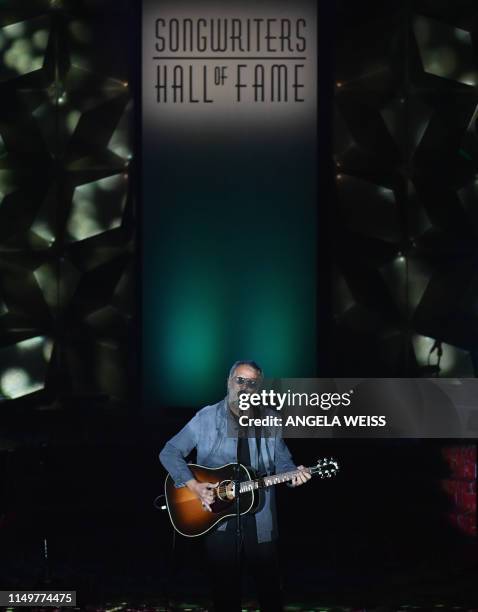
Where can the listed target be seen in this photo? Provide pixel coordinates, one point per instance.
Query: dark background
(78, 460)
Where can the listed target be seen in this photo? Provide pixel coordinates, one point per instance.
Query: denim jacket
(207, 433)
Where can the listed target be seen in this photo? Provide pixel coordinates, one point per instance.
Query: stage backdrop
(229, 193)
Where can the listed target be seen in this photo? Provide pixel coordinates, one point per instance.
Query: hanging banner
(229, 193)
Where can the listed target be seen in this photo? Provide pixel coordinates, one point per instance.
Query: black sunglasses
(250, 382)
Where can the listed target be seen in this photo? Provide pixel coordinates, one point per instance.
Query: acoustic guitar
(185, 509)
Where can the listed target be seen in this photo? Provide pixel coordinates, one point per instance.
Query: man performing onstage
(207, 432)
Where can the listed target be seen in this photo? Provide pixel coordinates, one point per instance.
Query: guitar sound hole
(225, 490)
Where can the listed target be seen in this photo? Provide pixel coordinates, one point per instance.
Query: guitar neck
(270, 481)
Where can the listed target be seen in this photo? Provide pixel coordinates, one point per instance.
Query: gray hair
(251, 364)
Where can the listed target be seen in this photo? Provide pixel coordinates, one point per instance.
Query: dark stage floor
(402, 594)
(362, 544)
(122, 606)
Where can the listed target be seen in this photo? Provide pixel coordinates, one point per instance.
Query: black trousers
(260, 560)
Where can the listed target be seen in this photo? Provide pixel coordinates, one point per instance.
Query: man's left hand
(302, 478)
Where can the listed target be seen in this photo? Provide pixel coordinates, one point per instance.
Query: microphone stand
(237, 485)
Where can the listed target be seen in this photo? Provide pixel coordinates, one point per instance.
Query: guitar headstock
(325, 468)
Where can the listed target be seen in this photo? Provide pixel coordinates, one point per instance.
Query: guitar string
(283, 477)
(222, 489)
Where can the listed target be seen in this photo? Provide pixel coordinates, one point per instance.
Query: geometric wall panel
(406, 152)
(67, 234)
(453, 361)
(96, 207)
(23, 45)
(23, 367)
(445, 51)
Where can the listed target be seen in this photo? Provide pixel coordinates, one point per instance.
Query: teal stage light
(229, 270)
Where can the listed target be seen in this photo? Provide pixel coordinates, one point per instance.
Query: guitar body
(186, 512)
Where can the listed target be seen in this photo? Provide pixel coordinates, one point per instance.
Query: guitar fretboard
(269, 481)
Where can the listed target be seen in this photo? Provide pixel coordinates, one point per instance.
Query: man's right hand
(204, 490)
